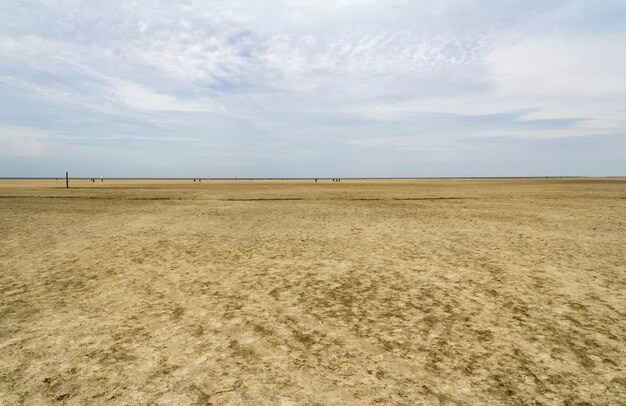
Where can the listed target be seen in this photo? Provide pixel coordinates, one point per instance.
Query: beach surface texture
(296, 292)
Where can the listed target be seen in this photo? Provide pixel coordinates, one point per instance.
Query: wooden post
(67, 180)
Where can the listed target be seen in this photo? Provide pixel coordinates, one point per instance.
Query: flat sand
(294, 292)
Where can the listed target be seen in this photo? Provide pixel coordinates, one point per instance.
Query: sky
(324, 88)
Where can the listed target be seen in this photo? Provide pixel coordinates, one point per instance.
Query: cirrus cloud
(270, 81)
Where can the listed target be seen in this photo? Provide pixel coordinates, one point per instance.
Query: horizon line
(312, 177)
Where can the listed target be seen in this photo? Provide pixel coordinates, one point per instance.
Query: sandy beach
(506, 291)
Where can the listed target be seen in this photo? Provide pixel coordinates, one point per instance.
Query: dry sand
(294, 292)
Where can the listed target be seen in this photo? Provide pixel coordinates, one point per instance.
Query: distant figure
(101, 178)
(194, 181)
(315, 180)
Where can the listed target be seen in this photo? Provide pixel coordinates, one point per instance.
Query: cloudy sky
(296, 88)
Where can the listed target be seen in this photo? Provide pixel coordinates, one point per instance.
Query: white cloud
(22, 141)
(554, 78)
(293, 72)
(138, 97)
(573, 66)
